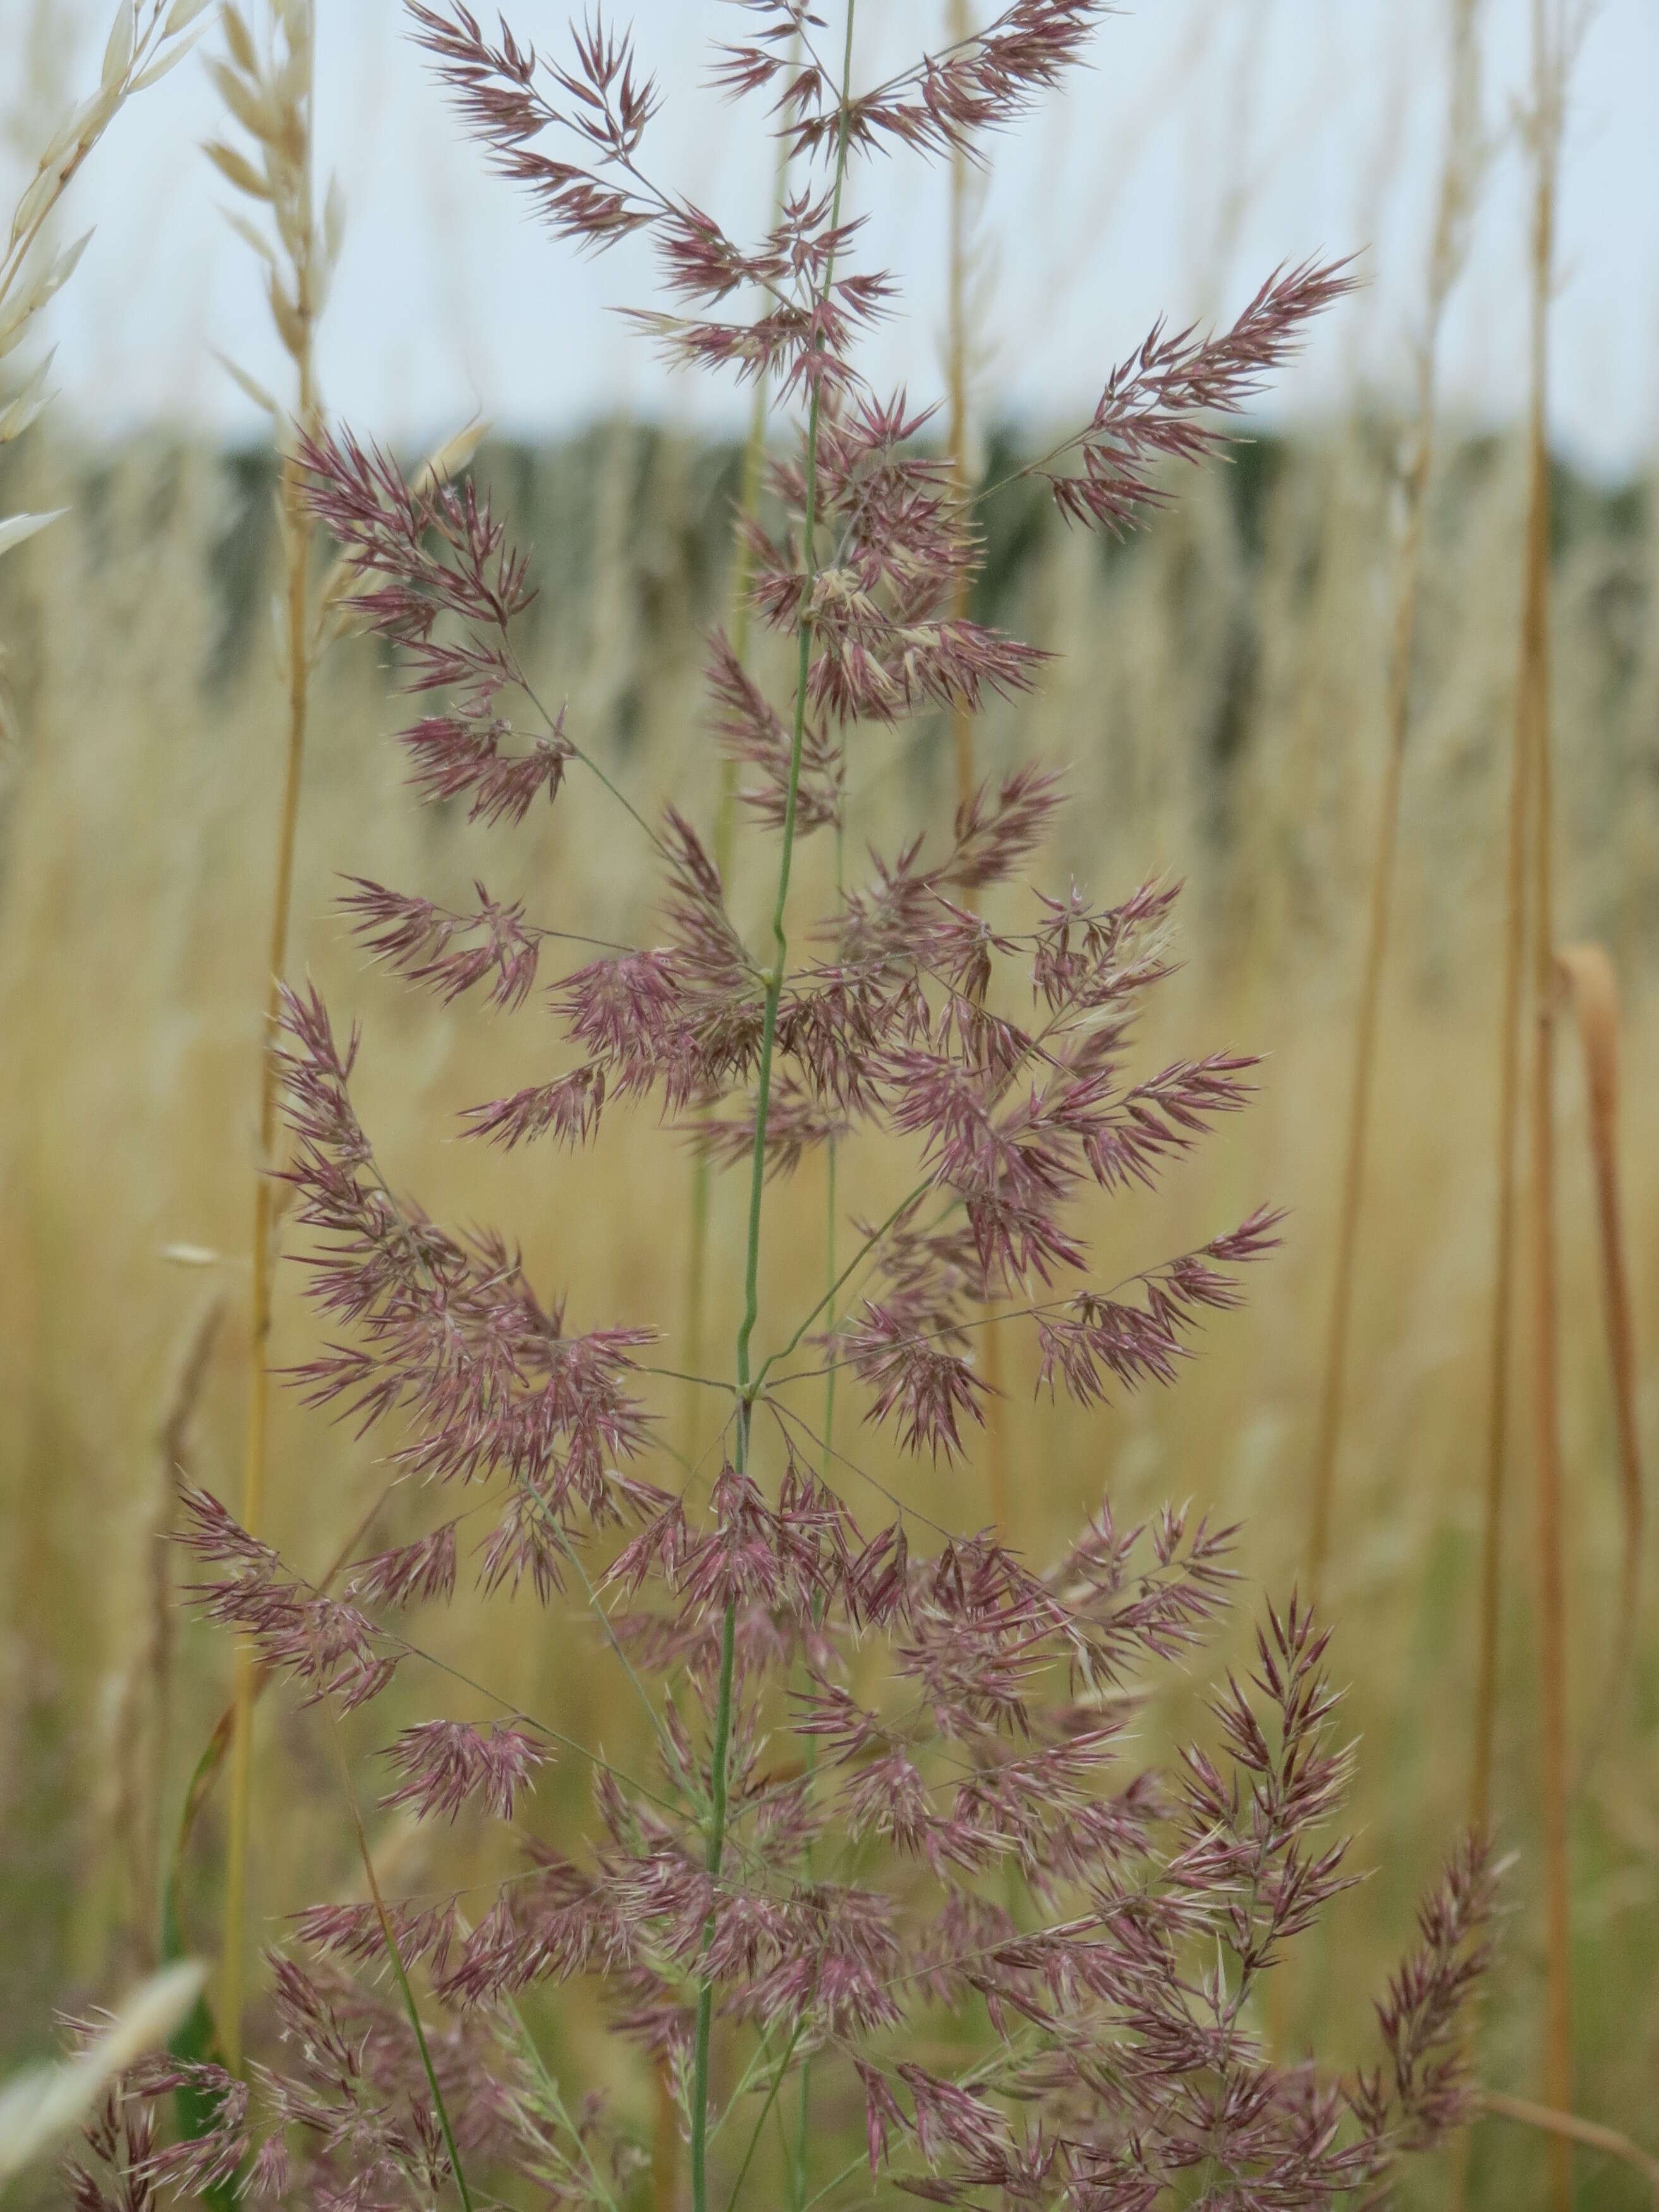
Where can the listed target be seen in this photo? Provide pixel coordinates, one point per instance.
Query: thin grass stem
(722, 1724)
(1445, 262)
(389, 1938)
(299, 335)
(664, 2162)
(778, 2078)
(1548, 65)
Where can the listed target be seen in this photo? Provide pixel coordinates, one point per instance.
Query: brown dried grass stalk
(1587, 972)
(147, 1706)
(1458, 185)
(1498, 1386)
(1517, 845)
(1567, 2128)
(1534, 682)
(271, 94)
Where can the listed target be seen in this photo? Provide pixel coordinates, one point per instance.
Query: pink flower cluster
(894, 1782)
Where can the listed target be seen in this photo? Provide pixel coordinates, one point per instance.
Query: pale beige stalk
(270, 93)
(147, 1702)
(1517, 845)
(1549, 65)
(1458, 183)
(1566, 2129)
(1588, 977)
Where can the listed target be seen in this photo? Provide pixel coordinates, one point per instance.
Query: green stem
(396, 1959)
(715, 1852)
(555, 2103)
(726, 819)
(721, 1747)
(849, 1270)
(804, 2103)
(797, 2155)
(830, 1221)
(669, 1753)
(766, 2110)
(846, 2174)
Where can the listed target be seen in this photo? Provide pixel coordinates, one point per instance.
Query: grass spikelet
(145, 41)
(43, 2108)
(394, 1953)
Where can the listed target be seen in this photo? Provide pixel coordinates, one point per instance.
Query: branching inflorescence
(954, 1824)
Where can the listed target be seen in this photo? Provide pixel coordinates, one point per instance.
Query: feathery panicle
(885, 1778)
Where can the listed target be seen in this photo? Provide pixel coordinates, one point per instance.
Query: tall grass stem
(296, 546)
(722, 1724)
(1458, 173)
(1548, 66)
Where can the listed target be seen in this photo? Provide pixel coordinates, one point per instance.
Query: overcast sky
(1212, 139)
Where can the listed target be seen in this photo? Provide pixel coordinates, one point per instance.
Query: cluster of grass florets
(892, 1774)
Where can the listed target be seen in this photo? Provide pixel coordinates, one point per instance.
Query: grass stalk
(721, 1747)
(1445, 261)
(664, 2147)
(1549, 1532)
(1497, 1383)
(295, 311)
(172, 1458)
(726, 822)
(1518, 844)
(1567, 2128)
(1587, 979)
(394, 1953)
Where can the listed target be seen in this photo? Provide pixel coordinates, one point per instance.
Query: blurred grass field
(1219, 708)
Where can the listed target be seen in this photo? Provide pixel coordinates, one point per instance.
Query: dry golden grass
(267, 86)
(1223, 704)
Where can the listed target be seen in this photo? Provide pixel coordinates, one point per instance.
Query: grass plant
(1418, 1360)
(746, 1918)
(1198, 686)
(268, 90)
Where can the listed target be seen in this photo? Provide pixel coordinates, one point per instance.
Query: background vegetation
(1221, 704)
